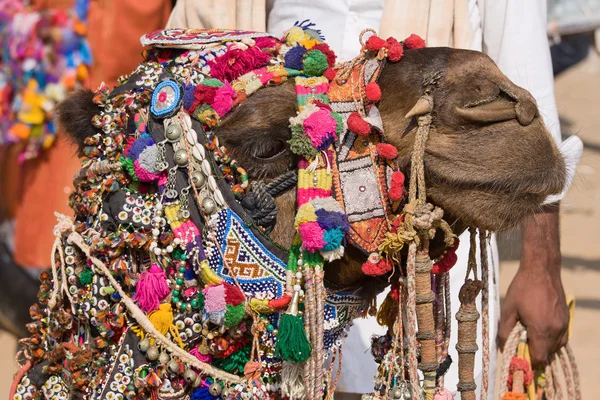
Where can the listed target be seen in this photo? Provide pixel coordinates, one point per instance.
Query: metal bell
(173, 366)
(164, 357)
(208, 205)
(144, 345)
(190, 376)
(215, 389)
(152, 353)
(198, 179)
(173, 132)
(181, 157)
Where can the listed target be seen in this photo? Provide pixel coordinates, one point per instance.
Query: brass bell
(144, 345)
(164, 358)
(173, 366)
(190, 376)
(208, 205)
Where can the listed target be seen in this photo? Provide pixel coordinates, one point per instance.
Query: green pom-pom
(178, 253)
(85, 277)
(234, 315)
(300, 143)
(200, 298)
(339, 128)
(127, 164)
(234, 363)
(292, 344)
(315, 63)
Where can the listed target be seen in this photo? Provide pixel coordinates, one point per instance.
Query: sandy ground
(578, 98)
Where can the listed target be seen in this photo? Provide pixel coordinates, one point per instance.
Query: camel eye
(269, 149)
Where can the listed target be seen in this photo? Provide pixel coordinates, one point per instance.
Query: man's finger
(508, 320)
(539, 350)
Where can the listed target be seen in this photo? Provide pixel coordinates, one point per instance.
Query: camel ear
(496, 111)
(74, 116)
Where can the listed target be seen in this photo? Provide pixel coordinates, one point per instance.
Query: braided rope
(562, 361)
(283, 183)
(412, 319)
(510, 349)
(485, 322)
(574, 370)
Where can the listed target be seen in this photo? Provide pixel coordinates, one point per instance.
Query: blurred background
(574, 33)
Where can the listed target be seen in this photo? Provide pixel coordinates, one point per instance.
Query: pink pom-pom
(414, 42)
(358, 125)
(312, 236)
(151, 289)
(223, 100)
(395, 50)
(397, 186)
(318, 126)
(387, 151)
(375, 43)
(443, 394)
(205, 358)
(214, 298)
(373, 92)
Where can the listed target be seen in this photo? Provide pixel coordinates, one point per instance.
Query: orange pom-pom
(358, 125)
(387, 151)
(375, 43)
(414, 42)
(373, 92)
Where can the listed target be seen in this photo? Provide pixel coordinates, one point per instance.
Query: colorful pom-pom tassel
(329, 74)
(387, 151)
(151, 289)
(292, 344)
(373, 92)
(397, 186)
(414, 42)
(358, 125)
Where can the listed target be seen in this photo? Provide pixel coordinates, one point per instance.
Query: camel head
(489, 159)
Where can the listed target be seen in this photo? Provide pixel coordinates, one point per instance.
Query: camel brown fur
(489, 159)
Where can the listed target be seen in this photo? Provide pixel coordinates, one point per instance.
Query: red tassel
(280, 303)
(397, 186)
(387, 151)
(381, 267)
(375, 43)
(358, 125)
(373, 92)
(414, 42)
(395, 50)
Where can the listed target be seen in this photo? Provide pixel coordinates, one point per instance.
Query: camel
(488, 162)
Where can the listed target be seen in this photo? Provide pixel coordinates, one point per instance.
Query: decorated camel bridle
(167, 284)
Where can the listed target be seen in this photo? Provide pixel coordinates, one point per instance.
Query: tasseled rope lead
(485, 328)
(467, 317)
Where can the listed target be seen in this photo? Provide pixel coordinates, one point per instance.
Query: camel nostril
(526, 111)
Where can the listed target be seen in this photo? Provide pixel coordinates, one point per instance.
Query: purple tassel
(151, 289)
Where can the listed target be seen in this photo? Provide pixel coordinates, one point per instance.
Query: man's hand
(536, 297)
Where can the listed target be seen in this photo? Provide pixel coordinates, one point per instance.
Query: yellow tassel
(162, 319)
(207, 275)
(386, 313)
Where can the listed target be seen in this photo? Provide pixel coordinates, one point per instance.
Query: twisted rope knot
(64, 225)
(260, 206)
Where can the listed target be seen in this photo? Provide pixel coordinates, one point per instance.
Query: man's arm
(536, 297)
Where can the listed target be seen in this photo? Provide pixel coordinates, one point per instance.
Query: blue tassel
(202, 394)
